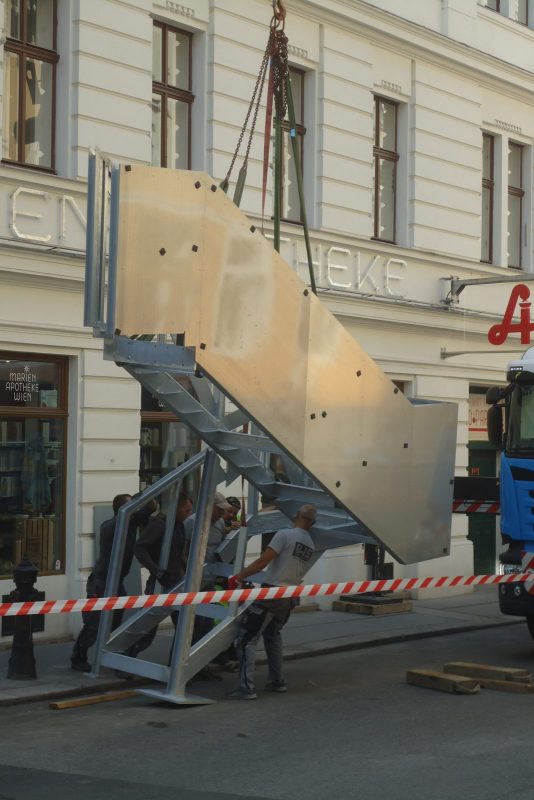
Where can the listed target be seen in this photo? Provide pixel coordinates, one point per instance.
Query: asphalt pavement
(308, 633)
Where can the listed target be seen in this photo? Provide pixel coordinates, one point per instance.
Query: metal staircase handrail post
(119, 544)
(109, 325)
(170, 519)
(193, 577)
(102, 176)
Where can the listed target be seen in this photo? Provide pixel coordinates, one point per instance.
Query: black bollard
(22, 661)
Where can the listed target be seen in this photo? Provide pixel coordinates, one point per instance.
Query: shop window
(30, 60)
(165, 443)
(33, 418)
(172, 97)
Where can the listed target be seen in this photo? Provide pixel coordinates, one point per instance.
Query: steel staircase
(377, 466)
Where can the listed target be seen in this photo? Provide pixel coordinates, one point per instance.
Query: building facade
(416, 129)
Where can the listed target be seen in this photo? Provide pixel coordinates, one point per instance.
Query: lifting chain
(279, 64)
(276, 52)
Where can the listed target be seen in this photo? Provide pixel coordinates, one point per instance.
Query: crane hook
(279, 13)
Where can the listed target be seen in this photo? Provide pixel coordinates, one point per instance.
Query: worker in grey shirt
(287, 558)
(217, 529)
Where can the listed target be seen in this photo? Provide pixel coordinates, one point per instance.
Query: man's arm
(258, 565)
(150, 536)
(107, 532)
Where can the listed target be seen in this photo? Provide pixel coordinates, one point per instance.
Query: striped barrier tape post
(265, 593)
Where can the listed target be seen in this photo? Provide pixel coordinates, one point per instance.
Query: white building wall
(111, 81)
(447, 169)
(346, 134)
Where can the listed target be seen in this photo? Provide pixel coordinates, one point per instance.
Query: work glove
(162, 577)
(233, 583)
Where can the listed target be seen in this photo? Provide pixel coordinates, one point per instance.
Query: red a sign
(498, 334)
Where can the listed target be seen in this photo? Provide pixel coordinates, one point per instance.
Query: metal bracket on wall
(444, 353)
(459, 284)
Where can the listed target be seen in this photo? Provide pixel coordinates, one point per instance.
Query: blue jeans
(265, 618)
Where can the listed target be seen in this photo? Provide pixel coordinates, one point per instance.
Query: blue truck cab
(511, 429)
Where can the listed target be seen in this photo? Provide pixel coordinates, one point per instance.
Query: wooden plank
(93, 699)
(372, 608)
(305, 608)
(442, 682)
(488, 671)
(516, 687)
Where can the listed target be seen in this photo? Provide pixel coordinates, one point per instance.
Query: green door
(482, 527)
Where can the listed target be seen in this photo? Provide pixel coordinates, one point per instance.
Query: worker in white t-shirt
(286, 559)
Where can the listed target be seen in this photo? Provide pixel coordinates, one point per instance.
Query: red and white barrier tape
(475, 507)
(271, 593)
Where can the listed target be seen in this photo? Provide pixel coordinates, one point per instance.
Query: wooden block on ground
(516, 687)
(442, 682)
(488, 671)
(93, 699)
(307, 607)
(372, 608)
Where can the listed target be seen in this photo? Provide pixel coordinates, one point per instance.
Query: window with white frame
(515, 204)
(488, 194)
(385, 157)
(30, 60)
(172, 97)
(290, 207)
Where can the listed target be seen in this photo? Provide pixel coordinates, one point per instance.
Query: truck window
(521, 430)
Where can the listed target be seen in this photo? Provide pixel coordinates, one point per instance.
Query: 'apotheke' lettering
(23, 385)
(348, 269)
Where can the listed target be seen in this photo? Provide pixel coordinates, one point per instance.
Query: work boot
(241, 694)
(275, 686)
(80, 665)
(206, 674)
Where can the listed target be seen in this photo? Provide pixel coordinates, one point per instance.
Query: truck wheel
(530, 625)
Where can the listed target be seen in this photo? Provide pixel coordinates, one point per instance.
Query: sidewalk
(308, 633)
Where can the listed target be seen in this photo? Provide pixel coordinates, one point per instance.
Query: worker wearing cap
(231, 523)
(217, 531)
(216, 534)
(286, 559)
(148, 550)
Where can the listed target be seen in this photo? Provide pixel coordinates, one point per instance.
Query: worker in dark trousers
(96, 583)
(147, 551)
(228, 658)
(216, 534)
(286, 560)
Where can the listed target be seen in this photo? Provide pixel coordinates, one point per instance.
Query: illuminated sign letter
(68, 201)
(341, 267)
(498, 334)
(15, 212)
(390, 277)
(367, 274)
